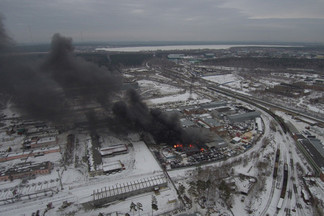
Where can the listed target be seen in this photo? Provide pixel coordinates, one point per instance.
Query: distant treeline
(120, 59)
(113, 61)
(129, 59)
(267, 62)
(101, 59)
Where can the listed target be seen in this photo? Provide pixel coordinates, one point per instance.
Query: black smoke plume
(5, 41)
(48, 89)
(165, 128)
(77, 77)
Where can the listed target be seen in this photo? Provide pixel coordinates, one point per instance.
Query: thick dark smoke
(5, 40)
(77, 77)
(46, 89)
(34, 93)
(165, 128)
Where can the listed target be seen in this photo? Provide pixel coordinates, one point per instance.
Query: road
(185, 80)
(273, 186)
(264, 103)
(211, 87)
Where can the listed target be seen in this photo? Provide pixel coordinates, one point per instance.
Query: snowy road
(273, 186)
(286, 143)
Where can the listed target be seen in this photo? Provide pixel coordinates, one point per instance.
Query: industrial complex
(185, 132)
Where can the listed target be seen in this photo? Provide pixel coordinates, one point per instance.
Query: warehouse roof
(211, 122)
(244, 116)
(213, 104)
(186, 123)
(318, 145)
(175, 56)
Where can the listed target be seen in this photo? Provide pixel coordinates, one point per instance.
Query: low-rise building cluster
(25, 170)
(228, 130)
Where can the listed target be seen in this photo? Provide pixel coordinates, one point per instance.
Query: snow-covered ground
(301, 126)
(78, 187)
(264, 201)
(230, 81)
(139, 163)
(159, 88)
(269, 83)
(172, 98)
(223, 79)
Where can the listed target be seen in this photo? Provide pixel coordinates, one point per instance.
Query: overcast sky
(32, 21)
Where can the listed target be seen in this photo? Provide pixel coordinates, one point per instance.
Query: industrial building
(211, 123)
(31, 153)
(193, 110)
(217, 142)
(113, 167)
(23, 170)
(243, 116)
(117, 192)
(213, 105)
(259, 125)
(114, 150)
(185, 123)
(209, 55)
(220, 112)
(317, 144)
(43, 142)
(313, 150)
(311, 147)
(175, 56)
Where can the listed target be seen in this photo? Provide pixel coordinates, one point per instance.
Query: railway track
(249, 99)
(263, 213)
(263, 105)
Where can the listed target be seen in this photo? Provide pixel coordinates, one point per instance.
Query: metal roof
(186, 123)
(318, 145)
(175, 56)
(244, 116)
(211, 122)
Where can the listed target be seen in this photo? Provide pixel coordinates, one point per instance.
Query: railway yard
(250, 155)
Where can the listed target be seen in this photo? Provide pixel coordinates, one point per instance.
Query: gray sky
(165, 20)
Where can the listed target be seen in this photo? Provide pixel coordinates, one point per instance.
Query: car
(242, 198)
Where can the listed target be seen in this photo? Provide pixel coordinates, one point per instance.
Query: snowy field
(158, 88)
(172, 98)
(223, 79)
(231, 81)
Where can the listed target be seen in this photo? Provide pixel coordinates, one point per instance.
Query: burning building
(190, 149)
